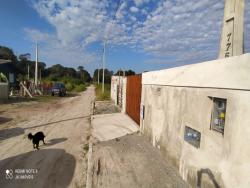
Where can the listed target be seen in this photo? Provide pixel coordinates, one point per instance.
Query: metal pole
(98, 75)
(104, 47)
(40, 75)
(36, 65)
(28, 71)
(103, 65)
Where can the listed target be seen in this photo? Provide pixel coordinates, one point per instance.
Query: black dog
(36, 139)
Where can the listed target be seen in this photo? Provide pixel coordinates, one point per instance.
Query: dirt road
(131, 161)
(60, 163)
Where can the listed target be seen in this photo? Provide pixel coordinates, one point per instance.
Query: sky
(141, 35)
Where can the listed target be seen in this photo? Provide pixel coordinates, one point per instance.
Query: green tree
(24, 57)
(127, 73)
(7, 53)
(107, 75)
(80, 69)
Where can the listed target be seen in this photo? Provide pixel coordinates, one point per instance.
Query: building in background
(10, 71)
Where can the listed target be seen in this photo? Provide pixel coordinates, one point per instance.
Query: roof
(228, 73)
(2, 61)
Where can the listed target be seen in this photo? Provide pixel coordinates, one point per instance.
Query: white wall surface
(170, 105)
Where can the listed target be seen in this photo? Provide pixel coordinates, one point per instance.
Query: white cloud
(134, 9)
(140, 2)
(178, 31)
(53, 49)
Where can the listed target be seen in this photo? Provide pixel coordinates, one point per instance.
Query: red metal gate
(133, 97)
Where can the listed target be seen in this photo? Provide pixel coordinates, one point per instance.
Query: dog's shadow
(55, 141)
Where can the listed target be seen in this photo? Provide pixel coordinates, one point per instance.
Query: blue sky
(145, 34)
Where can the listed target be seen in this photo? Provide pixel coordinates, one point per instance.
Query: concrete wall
(181, 100)
(4, 91)
(113, 92)
(118, 91)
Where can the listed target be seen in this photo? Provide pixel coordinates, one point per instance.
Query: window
(218, 114)
(11, 77)
(192, 136)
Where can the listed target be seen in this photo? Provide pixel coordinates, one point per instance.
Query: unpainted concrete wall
(221, 160)
(118, 91)
(4, 91)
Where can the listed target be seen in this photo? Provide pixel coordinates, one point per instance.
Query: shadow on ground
(12, 132)
(211, 176)
(55, 141)
(55, 168)
(13, 100)
(5, 120)
(54, 122)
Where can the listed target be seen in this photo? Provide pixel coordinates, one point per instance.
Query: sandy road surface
(60, 163)
(131, 161)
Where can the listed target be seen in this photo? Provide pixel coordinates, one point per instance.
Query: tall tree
(127, 73)
(7, 53)
(80, 69)
(24, 57)
(107, 75)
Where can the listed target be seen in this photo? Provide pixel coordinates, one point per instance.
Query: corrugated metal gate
(133, 97)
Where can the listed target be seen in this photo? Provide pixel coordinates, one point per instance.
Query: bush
(69, 86)
(3, 78)
(102, 96)
(80, 88)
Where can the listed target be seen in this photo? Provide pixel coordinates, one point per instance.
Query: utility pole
(36, 67)
(104, 47)
(98, 75)
(28, 71)
(40, 75)
(103, 65)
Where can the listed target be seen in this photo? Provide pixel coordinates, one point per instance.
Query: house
(198, 116)
(10, 71)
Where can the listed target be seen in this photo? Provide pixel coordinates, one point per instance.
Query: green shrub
(69, 86)
(100, 95)
(3, 78)
(80, 88)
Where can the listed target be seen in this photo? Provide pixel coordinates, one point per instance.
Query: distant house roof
(2, 61)
(6, 66)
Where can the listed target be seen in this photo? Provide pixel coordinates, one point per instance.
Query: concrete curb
(89, 167)
(89, 163)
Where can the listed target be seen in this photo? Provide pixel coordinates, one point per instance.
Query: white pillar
(103, 66)
(231, 43)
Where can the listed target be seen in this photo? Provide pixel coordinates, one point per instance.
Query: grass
(45, 98)
(79, 88)
(102, 96)
(86, 148)
(71, 84)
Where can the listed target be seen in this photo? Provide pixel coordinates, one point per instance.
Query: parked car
(58, 89)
